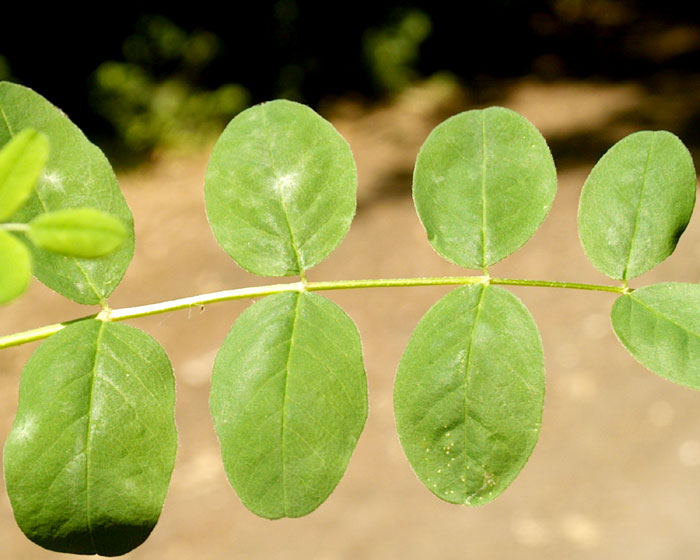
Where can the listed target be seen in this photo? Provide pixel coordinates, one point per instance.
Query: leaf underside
(289, 401)
(77, 175)
(92, 448)
(660, 326)
(280, 189)
(483, 183)
(636, 203)
(469, 393)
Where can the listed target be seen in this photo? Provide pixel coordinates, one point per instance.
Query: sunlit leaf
(77, 175)
(15, 267)
(660, 326)
(78, 232)
(289, 401)
(89, 457)
(280, 189)
(484, 181)
(469, 394)
(21, 162)
(636, 203)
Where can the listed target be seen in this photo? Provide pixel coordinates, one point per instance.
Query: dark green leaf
(15, 267)
(78, 232)
(77, 175)
(636, 203)
(21, 162)
(89, 458)
(469, 394)
(483, 183)
(289, 401)
(280, 189)
(660, 326)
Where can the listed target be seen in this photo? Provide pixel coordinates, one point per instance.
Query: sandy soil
(616, 473)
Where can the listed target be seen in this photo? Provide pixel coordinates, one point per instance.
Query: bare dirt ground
(616, 472)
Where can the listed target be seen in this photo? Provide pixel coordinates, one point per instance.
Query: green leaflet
(89, 458)
(21, 162)
(289, 401)
(15, 267)
(660, 326)
(77, 175)
(280, 189)
(78, 232)
(469, 394)
(636, 203)
(484, 180)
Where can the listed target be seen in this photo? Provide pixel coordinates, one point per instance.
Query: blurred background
(616, 473)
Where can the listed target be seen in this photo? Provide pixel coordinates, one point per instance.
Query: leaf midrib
(93, 374)
(7, 122)
(75, 261)
(466, 375)
(292, 238)
(660, 315)
(639, 207)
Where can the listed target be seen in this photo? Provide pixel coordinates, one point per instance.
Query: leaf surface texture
(483, 182)
(92, 448)
(280, 188)
(289, 401)
(660, 326)
(77, 174)
(469, 394)
(636, 203)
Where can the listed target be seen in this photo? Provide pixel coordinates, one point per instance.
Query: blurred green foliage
(393, 50)
(145, 81)
(151, 98)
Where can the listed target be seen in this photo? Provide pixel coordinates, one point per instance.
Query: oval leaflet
(636, 203)
(469, 393)
(92, 448)
(77, 174)
(280, 189)
(289, 401)
(483, 182)
(77, 232)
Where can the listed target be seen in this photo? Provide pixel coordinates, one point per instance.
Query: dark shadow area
(135, 82)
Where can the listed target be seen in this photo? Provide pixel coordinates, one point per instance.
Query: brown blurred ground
(616, 473)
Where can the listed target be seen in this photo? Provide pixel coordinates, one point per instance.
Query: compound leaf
(77, 175)
(21, 162)
(15, 267)
(469, 393)
(77, 232)
(280, 189)
(89, 457)
(289, 401)
(636, 203)
(660, 326)
(484, 180)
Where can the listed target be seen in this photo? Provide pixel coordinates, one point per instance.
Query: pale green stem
(554, 284)
(108, 314)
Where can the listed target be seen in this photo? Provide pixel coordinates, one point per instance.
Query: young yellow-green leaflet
(77, 232)
(22, 160)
